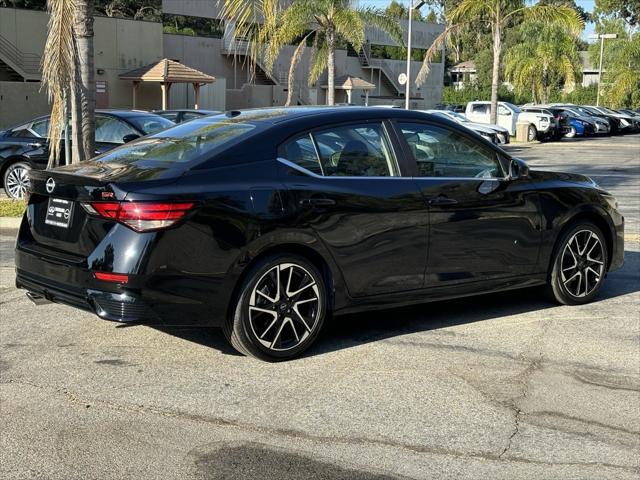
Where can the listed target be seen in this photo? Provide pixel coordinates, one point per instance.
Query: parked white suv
(541, 126)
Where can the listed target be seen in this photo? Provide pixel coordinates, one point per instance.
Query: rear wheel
(16, 180)
(280, 309)
(579, 264)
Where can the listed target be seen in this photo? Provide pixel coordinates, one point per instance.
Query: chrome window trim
(300, 169)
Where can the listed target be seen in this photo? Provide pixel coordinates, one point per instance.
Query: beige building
(123, 45)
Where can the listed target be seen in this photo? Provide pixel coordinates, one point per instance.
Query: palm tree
(67, 73)
(546, 54)
(84, 95)
(499, 15)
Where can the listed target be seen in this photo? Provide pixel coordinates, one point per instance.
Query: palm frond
(562, 16)
(319, 61)
(350, 27)
(58, 67)
(468, 10)
(433, 50)
(295, 59)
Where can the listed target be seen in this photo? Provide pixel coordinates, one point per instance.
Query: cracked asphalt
(503, 386)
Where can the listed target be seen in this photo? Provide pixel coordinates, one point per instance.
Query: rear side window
(112, 130)
(479, 108)
(183, 143)
(346, 151)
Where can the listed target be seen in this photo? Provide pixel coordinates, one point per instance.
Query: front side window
(41, 127)
(440, 152)
(346, 151)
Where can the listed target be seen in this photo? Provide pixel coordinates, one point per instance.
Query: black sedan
(26, 146)
(266, 222)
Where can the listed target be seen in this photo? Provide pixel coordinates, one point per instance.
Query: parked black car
(26, 146)
(265, 222)
(185, 114)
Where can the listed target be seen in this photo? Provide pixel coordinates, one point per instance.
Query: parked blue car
(576, 127)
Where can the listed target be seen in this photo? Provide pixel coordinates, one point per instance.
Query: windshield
(150, 124)
(180, 144)
(608, 110)
(512, 107)
(460, 117)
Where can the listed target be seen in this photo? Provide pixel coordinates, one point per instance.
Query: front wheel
(280, 309)
(16, 180)
(579, 265)
(571, 133)
(532, 133)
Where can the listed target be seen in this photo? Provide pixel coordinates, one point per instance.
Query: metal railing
(26, 64)
(367, 62)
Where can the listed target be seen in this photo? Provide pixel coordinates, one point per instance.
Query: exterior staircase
(17, 65)
(262, 76)
(387, 78)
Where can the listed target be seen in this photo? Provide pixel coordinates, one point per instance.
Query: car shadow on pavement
(346, 331)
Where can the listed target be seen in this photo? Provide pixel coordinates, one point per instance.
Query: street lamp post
(407, 88)
(601, 36)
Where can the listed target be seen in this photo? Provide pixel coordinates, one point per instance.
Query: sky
(587, 5)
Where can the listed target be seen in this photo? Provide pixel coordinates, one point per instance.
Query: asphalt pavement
(503, 386)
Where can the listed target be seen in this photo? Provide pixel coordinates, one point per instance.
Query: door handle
(442, 200)
(317, 202)
(35, 145)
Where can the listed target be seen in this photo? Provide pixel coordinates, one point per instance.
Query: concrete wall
(120, 45)
(21, 101)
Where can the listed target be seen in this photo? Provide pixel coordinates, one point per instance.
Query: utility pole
(601, 36)
(407, 91)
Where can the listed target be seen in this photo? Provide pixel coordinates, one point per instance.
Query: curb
(10, 222)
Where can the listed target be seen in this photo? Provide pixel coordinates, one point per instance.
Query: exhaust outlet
(37, 299)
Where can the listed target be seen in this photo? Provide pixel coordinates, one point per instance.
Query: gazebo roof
(167, 71)
(349, 82)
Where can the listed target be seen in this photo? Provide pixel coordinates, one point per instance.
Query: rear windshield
(150, 124)
(181, 144)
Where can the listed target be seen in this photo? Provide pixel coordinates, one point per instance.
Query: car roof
(186, 110)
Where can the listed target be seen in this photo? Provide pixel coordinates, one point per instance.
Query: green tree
(498, 15)
(546, 56)
(325, 23)
(620, 63)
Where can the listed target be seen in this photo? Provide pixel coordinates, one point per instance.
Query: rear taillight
(111, 277)
(141, 216)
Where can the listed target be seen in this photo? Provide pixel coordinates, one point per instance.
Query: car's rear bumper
(75, 286)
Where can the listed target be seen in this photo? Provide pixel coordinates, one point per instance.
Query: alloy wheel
(284, 307)
(582, 263)
(16, 181)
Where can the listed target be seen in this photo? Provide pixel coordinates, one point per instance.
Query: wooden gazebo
(349, 83)
(167, 72)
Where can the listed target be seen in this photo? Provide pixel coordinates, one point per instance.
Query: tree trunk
(495, 77)
(85, 91)
(331, 67)
(545, 85)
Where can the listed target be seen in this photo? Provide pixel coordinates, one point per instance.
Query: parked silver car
(492, 132)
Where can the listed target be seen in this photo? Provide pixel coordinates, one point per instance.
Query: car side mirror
(130, 137)
(518, 169)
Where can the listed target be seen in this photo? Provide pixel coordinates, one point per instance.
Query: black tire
(264, 315)
(13, 180)
(561, 287)
(532, 133)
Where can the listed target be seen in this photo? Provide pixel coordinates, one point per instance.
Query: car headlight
(624, 123)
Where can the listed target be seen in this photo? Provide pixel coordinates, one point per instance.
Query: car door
(507, 118)
(481, 224)
(345, 183)
(31, 141)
